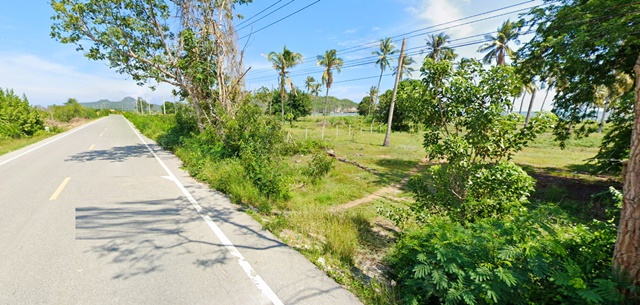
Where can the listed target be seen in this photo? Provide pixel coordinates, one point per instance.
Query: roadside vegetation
(473, 203)
(22, 124)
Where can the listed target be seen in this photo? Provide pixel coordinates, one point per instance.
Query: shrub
(319, 167)
(482, 190)
(529, 258)
(17, 117)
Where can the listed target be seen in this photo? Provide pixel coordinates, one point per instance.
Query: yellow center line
(60, 188)
(91, 147)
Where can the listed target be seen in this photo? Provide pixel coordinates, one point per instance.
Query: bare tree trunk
(373, 120)
(626, 256)
(533, 97)
(545, 97)
(524, 94)
(387, 137)
(605, 108)
(324, 122)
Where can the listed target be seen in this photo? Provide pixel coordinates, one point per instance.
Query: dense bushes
(525, 257)
(17, 117)
(485, 190)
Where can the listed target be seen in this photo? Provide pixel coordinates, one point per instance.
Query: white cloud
(437, 12)
(350, 31)
(45, 82)
(375, 29)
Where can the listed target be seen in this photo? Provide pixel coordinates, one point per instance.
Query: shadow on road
(140, 236)
(115, 154)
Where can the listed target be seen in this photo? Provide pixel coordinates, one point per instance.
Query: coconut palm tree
(437, 50)
(387, 48)
(373, 92)
(498, 46)
(406, 67)
(282, 62)
(532, 88)
(309, 82)
(329, 61)
(606, 97)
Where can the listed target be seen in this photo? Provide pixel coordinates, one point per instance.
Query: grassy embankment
(336, 223)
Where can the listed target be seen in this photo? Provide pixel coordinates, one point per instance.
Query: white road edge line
(56, 139)
(244, 264)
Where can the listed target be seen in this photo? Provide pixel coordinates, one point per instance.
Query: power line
(352, 65)
(265, 16)
(360, 46)
(283, 18)
(258, 14)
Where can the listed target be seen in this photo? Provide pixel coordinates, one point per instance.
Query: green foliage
(334, 104)
(615, 143)
(464, 109)
(17, 117)
(364, 106)
(469, 194)
(255, 141)
(529, 257)
(581, 54)
(297, 103)
(406, 113)
(319, 167)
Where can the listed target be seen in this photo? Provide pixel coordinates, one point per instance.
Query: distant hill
(127, 103)
(334, 105)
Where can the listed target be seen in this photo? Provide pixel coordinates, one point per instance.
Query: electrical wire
(283, 18)
(258, 14)
(265, 16)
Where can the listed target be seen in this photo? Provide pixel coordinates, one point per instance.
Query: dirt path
(380, 193)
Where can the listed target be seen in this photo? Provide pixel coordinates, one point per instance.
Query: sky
(48, 72)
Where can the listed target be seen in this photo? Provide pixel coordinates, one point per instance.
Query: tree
(387, 137)
(498, 46)
(17, 117)
(329, 61)
(298, 103)
(437, 49)
(373, 93)
(406, 67)
(533, 88)
(586, 42)
(282, 62)
(406, 112)
(190, 44)
(387, 48)
(309, 83)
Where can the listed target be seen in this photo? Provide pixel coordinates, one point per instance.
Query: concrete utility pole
(387, 140)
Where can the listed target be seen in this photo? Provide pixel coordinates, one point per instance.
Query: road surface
(101, 215)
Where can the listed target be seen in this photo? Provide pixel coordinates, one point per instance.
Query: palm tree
(437, 50)
(329, 61)
(406, 67)
(498, 46)
(373, 92)
(282, 62)
(606, 97)
(387, 48)
(532, 88)
(309, 82)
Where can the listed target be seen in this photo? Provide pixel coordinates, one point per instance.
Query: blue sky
(48, 72)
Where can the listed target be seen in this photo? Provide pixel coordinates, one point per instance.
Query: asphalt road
(101, 215)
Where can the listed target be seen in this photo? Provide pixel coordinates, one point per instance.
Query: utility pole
(387, 140)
